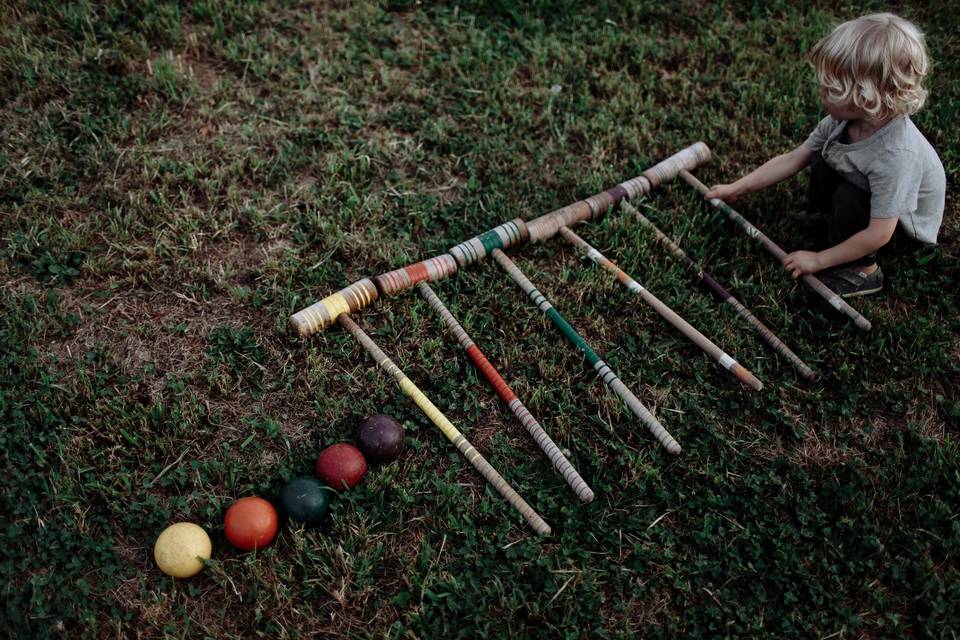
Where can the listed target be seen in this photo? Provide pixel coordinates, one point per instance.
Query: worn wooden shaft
(548, 225)
(543, 440)
(441, 421)
(811, 281)
(726, 361)
(604, 371)
(723, 294)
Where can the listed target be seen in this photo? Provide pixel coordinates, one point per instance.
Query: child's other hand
(724, 192)
(800, 263)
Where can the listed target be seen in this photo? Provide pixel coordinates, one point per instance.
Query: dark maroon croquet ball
(341, 466)
(380, 439)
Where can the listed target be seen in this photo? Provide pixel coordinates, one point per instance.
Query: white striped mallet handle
(451, 432)
(811, 281)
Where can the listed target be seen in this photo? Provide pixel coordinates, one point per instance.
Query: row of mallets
(338, 307)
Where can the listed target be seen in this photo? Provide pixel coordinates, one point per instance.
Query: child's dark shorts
(846, 211)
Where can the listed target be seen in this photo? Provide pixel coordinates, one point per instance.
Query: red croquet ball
(341, 464)
(250, 523)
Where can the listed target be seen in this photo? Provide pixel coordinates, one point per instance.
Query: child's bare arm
(770, 172)
(877, 234)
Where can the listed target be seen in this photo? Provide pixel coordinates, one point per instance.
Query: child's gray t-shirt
(896, 165)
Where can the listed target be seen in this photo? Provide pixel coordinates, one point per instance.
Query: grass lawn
(177, 179)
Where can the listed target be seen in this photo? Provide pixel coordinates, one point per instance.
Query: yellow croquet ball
(181, 549)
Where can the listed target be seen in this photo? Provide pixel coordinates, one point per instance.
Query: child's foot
(850, 282)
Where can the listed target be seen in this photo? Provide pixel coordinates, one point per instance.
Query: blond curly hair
(877, 62)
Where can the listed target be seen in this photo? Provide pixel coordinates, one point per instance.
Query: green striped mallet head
(501, 237)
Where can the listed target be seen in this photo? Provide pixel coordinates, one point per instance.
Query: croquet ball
(341, 466)
(181, 549)
(305, 500)
(250, 523)
(380, 439)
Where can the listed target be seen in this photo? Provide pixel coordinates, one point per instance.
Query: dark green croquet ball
(380, 439)
(305, 500)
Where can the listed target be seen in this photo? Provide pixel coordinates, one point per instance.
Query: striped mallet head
(322, 314)
(500, 237)
(688, 159)
(432, 269)
(591, 208)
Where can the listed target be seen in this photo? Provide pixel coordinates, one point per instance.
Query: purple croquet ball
(380, 439)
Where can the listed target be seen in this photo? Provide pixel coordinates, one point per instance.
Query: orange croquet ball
(250, 523)
(341, 466)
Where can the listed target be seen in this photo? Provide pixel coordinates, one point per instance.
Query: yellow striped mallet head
(322, 314)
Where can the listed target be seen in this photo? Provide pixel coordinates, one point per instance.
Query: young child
(875, 183)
